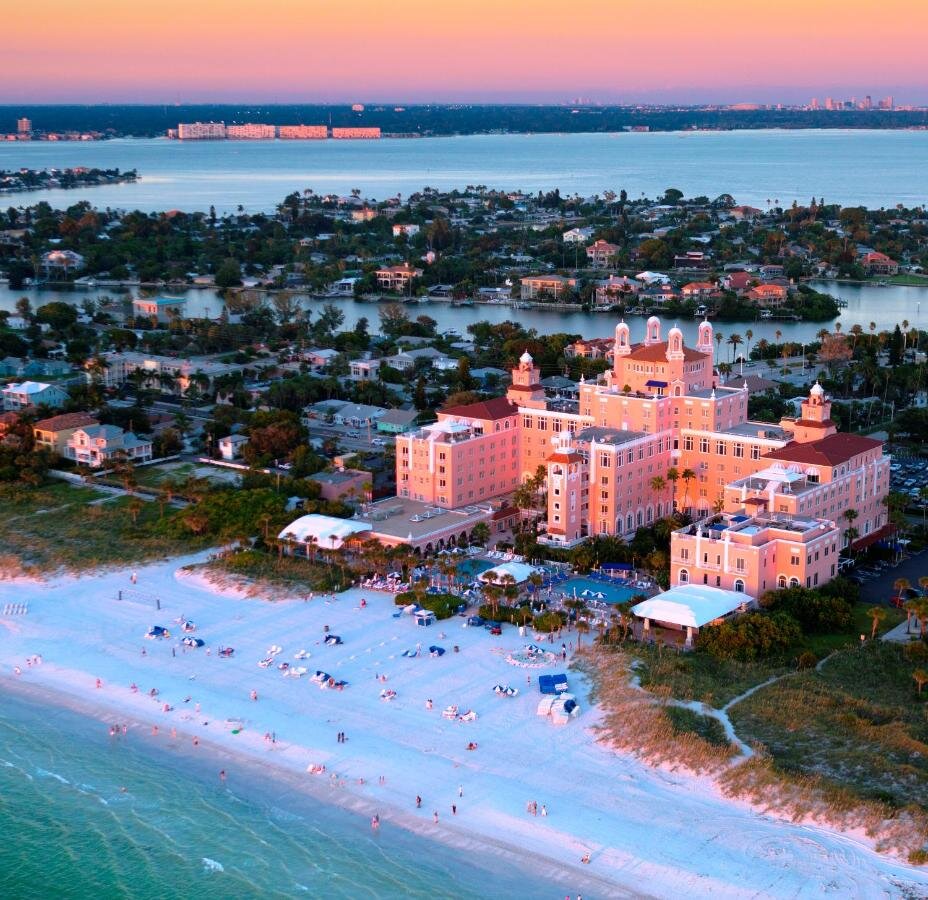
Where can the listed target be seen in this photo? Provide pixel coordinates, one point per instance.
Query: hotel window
(605, 460)
(704, 445)
(528, 421)
(542, 424)
(604, 510)
(721, 448)
(556, 425)
(688, 442)
(739, 564)
(738, 451)
(794, 559)
(755, 451)
(604, 495)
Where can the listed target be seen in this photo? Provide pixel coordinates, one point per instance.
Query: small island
(22, 180)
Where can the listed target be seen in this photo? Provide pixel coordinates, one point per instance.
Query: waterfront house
(26, 394)
(697, 290)
(161, 309)
(61, 262)
(554, 286)
(879, 264)
(98, 445)
(768, 296)
(55, 432)
(601, 254)
(397, 278)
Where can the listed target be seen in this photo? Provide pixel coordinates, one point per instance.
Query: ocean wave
(44, 773)
(211, 865)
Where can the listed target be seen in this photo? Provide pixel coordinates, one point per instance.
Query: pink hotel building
(769, 501)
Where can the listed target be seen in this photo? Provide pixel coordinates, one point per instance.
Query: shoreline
(259, 774)
(649, 829)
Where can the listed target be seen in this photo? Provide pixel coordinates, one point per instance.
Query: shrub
(518, 615)
(688, 721)
(443, 605)
(753, 636)
(549, 621)
(815, 610)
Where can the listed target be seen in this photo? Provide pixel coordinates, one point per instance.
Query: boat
(766, 314)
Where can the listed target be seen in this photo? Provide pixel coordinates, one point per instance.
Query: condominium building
(24, 126)
(658, 432)
(201, 131)
(251, 132)
(303, 132)
(355, 133)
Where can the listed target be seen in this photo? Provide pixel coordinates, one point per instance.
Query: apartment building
(303, 132)
(251, 131)
(355, 134)
(201, 131)
(546, 286)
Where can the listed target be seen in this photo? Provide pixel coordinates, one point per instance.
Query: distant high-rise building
(24, 125)
(357, 107)
(201, 131)
(355, 133)
(829, 103)
(867, 102)
(887, 103)
(303, 132)
(814, 103)
(251, 132)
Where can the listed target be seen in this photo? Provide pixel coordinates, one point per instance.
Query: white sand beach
(648, 831)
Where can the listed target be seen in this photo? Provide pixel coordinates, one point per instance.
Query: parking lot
(909, 476)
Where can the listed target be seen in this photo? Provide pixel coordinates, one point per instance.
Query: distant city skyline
(531, 51)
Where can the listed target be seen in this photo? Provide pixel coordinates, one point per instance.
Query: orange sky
(613, 50)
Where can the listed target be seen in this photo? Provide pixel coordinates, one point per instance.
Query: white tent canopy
(691, 605)
(519, 571)
(326, 532)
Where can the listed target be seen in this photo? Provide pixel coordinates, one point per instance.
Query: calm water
(885, 306)
(874, 168)
(69, 831)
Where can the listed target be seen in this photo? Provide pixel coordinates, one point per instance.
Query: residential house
(98, 445)
(54, 433)
(231, 446)
(7, 421)
(342, 484)
(61, 262)
(409, 230)
(592, 348)
(397, 278)
(364, 369)
(697, 290)
(738, 281)
(358, 415)
(768, 296)
(319, 359)
(615, 290)
(692, 259)
(397, 421)
(601, 254)
(161, 309)
(33, 393)
(577, 235)
(554, 286)
(406, 360)
(363, 215)
(879, 264)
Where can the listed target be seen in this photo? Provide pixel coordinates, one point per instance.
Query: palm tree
(658, 484)
(921, 679)
(719, 337)
(734, 340)
(851, 515)
(748, 337)
(687, 475)
(911, 612)
(877, 614)
(673, 476)
(134, 507)
(901, 585)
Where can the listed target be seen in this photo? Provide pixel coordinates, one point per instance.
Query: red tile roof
(829, 451)
(66, 420)
(658, 353)
(497, 408)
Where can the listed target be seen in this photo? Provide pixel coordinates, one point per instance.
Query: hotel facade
(773, 504)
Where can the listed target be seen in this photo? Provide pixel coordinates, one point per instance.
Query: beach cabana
(425, 617)
(552, 684)
(688, 607)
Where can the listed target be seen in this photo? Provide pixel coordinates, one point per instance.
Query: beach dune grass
(859, 723)
(59, 527)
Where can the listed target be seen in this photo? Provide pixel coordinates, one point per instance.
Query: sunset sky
(493, 50)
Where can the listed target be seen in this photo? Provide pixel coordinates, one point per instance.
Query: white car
(379, 442)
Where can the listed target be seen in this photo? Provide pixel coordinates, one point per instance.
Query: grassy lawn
(859, 723)
(76, 536)
(699, 676)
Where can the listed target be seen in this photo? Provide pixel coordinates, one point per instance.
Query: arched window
(794, 582)
(629, 523)
(640, 518)
(781, 581)
(684, 577)
(739, 586)
(650, 514)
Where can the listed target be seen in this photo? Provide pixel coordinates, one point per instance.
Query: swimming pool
(611, 591)
(470, 568)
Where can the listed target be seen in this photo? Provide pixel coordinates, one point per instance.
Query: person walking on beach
(454, 809)
(254, 695)
(222, 775)
(418, 802)
(435, 817)
(133, 578)
(544, 809)
(460, 790)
